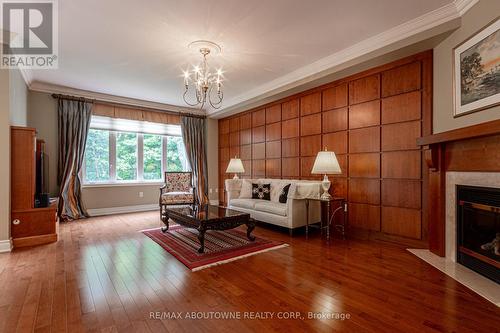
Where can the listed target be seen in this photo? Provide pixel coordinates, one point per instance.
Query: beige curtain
(73, 126)
(193, 135)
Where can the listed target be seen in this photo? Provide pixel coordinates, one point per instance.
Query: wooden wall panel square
(224, 126)
(259, 118)
(234, 151)
(364, 216)
(290, 109)
(364, 89)
(290, 167)
(259, 134)
(246, 121)
(273, 114)
(402, 193)
(335, 97)
(246, 137)
(234, 139)
(310, 104)
(336, 142)
(402, 222)
(364, 165)
(401, 79)
(402, 164)
(273, 168)
(342, 159)
(273, 149)
(290, 128)
(399, 108)
(310, 125)
(310, 145)
(246, 152)
(339, 187)
(306, 164)
(258, 151)
(247, 165)
(258, 168)
(223, 140)
(234, 124)
(290, 147)
(273, 132)
(224, 154)
(364, 114)
(362, 190)
(364, 140)
(401, 136)
(335, 120)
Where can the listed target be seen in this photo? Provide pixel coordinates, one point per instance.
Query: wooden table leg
(164, 219)
(250, 227)
(201, 238)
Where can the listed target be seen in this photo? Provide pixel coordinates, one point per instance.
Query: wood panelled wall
(370, 120)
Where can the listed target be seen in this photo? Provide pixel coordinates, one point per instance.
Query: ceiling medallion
(207, 85)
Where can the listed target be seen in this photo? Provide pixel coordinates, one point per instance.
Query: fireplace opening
(478, 230)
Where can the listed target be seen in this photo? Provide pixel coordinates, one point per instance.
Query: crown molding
(327, 65)
(64, 90)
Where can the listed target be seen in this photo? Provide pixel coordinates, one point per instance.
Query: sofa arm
(232, 188)
(297, 212)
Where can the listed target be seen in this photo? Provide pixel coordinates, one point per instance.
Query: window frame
(113, 181)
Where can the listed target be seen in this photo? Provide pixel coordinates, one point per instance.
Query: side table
(329, 219)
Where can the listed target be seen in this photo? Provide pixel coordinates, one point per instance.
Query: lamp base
(235, 176)
(325, 184)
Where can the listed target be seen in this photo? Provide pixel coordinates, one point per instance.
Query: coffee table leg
(201, 238)
(250, 227)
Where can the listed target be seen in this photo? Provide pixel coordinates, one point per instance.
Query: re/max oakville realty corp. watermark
(29, 34)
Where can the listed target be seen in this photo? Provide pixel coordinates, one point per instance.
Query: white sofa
(290, 215)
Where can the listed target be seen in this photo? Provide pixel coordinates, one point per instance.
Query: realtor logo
(29, 34)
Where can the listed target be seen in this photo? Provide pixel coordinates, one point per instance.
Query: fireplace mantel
(470, 149)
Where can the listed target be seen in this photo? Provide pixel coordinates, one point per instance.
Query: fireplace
(478, 229)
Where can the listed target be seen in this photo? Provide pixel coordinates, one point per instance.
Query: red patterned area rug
(220, 246)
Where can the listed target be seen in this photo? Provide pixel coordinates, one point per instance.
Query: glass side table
(329, 219)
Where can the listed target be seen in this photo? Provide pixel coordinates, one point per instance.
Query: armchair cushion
(170, 198)
(178, 181)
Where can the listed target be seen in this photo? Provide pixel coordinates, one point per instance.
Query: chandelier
(207, 85)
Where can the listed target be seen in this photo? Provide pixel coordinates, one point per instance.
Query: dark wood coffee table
(207, 217)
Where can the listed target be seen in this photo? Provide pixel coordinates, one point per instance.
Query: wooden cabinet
(29, 225)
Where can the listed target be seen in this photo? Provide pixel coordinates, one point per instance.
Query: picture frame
(476, 71)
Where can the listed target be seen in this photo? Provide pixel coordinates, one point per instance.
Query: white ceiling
(139, 49)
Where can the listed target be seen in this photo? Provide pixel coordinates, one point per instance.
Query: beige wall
(13, 111)
(5, 161)
(474, 20)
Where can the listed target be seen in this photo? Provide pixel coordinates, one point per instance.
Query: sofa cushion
(261, 191)
(244, 203)
(271, 207)
(246, 189)
(284, 194)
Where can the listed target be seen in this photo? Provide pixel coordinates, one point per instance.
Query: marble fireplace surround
(448, 265)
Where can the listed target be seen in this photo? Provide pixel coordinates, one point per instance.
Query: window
(97, 156)
(115, 156)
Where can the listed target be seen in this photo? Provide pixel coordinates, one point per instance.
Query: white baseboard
(122, 210)
(5, 245)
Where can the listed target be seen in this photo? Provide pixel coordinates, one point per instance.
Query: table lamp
(326, 163)
(235, 166)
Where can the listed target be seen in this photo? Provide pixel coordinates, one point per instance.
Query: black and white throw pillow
(261, 191)
(284, 193)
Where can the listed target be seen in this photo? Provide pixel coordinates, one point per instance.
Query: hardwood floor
(104, 275)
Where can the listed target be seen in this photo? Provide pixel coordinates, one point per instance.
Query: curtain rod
(74, 98)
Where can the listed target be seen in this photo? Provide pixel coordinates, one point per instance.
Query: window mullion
(164, 154)
(140, 156)
(112, 156)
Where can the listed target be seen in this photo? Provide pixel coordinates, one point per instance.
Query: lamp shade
(235, 166)
(326, 163)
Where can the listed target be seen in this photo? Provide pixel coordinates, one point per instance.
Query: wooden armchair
(178, 190)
